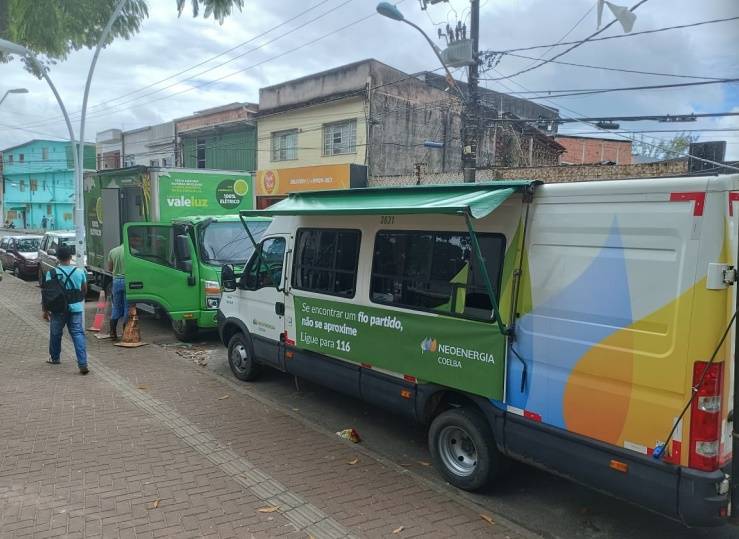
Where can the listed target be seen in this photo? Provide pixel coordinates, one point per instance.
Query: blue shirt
(78, 278)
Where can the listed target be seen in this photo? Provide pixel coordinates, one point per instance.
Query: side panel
(111, 225)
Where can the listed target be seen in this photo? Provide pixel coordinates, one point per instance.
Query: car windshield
(228, 243)
(27, 245)
(69, 242)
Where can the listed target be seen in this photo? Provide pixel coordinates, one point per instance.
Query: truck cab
(175, 268)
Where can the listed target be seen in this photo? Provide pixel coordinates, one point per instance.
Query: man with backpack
(63, 300)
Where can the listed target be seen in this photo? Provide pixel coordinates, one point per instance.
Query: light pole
(78, 152)
(471, 101)
(13, 91)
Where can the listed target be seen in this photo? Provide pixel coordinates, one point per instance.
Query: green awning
(477, 200)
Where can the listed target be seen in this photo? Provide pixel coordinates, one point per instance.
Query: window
(326, 261)
(22, 186)
(340, 137)
(200, 152)
(153, 243)
(435, 271)
(153, 162)
(45, 154)
(10, 158)
(44, 186)
(34, 185)
(265, 267)
(285, 145)
(21, 157)
(165, 162)
(48, 206)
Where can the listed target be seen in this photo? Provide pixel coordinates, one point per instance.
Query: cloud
(167, 44)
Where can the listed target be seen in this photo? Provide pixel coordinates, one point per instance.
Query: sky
(141, 82)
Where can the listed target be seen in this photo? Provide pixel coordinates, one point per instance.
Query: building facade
(153, 146)
(221, 138)
(38, 182)
(591, 150)
(370, 114)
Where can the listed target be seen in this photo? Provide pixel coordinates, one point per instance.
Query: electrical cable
(575, 45)
(616, 69)
(660, 450)
(619, 36)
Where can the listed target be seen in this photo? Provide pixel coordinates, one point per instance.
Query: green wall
(224, 151)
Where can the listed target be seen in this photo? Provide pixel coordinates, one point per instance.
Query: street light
(13, 91)
(386, 9)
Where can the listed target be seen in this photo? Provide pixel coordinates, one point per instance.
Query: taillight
(705, 417)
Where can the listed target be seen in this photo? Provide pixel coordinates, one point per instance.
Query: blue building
(38, 181)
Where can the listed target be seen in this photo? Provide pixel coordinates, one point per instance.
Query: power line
(629, 88)
(616, 69)
(574, 45)
(707, 130)
(193, 77)
(667, 118)
(619, 36)
(678, 154)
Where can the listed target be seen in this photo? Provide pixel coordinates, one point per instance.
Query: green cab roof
(475, 199)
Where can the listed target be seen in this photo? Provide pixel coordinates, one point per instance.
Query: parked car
(48, 248)
(19, 254)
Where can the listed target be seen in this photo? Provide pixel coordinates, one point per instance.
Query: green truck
(179, 226)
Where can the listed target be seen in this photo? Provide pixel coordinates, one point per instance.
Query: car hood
(29, 255)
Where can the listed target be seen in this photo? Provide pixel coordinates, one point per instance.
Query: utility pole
(471, 113)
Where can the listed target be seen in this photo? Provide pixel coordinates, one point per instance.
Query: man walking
(74, 284)
(44, 222)
(120, 307)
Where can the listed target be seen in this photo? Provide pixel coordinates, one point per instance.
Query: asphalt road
(545, 504)
(536, 500)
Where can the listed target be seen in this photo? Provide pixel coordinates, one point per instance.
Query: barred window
(285, 145)
(340, 138)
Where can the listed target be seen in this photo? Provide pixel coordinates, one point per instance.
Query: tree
(52, 29)
(665, 149)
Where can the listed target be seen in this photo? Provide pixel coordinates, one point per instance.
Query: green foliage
(52, 29)
(665, 149)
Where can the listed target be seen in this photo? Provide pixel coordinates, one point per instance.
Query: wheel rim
(457, 451)
(239, 357)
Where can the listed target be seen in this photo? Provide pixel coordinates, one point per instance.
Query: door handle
(279, 308)
(136, 285)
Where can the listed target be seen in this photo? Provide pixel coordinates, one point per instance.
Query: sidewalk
(148, 446)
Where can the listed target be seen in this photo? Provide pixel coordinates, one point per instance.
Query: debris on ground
(349, 434)
(399, 529)
(487, 519)
(353, 461)
(268, 509)
(197, 355)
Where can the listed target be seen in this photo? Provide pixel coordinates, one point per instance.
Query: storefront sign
(275, 182)
(183, 194)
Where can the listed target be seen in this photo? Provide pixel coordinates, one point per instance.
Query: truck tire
(185, 330)
(463, 448)
(241, 358)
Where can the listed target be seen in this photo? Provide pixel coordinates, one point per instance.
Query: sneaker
(84, 370)
(52, 362)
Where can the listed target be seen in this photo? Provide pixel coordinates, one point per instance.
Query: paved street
(151, 445)
(169, 422)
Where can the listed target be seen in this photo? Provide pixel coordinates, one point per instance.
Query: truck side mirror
(182, 247)
(228, 278)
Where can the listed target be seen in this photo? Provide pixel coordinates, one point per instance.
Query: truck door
(161, 268)
(262, 299)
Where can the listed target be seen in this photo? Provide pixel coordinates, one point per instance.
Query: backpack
(56, 296)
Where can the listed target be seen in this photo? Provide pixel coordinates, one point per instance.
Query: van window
(326, 261)
(154, 244)
(435, 271)
(265, 266)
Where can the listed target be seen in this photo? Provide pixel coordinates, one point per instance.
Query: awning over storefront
(476, 200)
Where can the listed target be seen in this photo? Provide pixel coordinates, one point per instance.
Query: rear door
(157, 273)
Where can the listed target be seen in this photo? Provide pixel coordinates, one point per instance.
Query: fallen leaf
(353, 461)
(399, 529)
(155, 504)
(268, 509)
(142, 387)
(487, 519)
(224, 397)
(424, 463)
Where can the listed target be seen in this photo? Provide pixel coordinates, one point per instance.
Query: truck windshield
(227, 242)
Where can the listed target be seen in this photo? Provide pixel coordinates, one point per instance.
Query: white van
(584, 328)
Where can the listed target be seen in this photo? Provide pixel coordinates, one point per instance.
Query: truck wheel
(185, 330)
(241, 358)
(463, 449)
